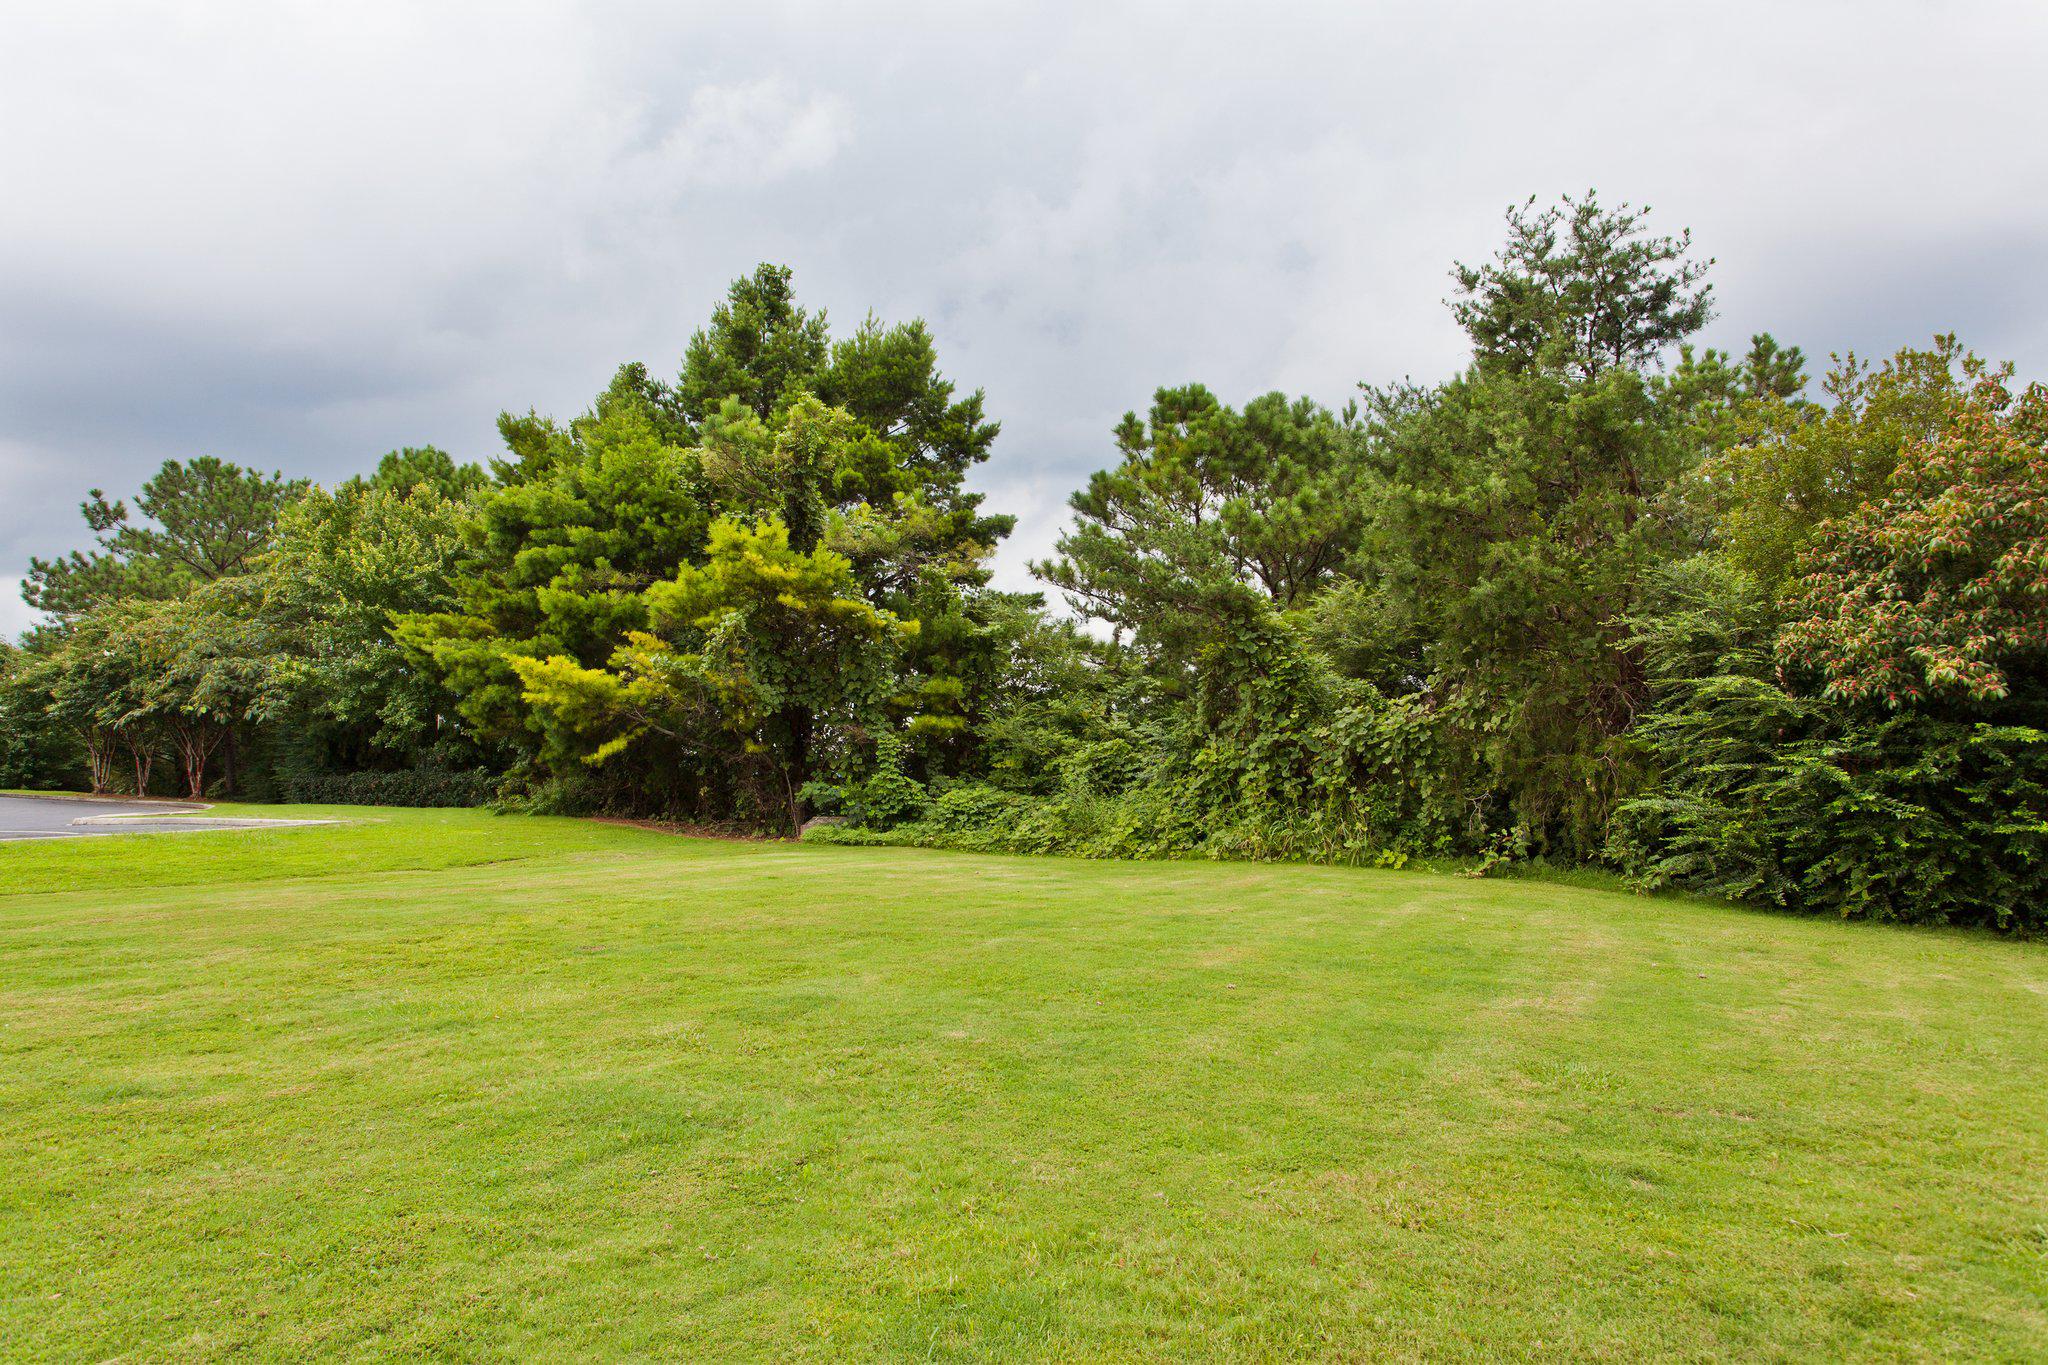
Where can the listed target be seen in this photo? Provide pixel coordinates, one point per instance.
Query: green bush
(888, 796)
(1780, 798)
(1910, 819)
(402, 787)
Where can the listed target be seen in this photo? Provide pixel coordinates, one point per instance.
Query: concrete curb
(179, 820)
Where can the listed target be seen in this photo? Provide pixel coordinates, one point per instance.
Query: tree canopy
(1607, 594)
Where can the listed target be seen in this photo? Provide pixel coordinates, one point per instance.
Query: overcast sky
(296, 236)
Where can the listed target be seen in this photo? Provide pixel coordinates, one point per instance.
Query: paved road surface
(48, 817)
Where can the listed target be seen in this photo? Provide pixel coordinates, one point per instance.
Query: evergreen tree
(761, 349)
(1210, 513)
(206, 520)
(1582, 287)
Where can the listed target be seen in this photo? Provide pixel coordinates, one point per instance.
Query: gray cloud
(299, 235)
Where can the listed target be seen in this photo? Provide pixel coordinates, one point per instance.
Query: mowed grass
(450, 1084)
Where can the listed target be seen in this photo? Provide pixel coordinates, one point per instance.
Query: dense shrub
(888, 795)
(1908, 819)
(403, 787)
(1797, 801)
(1279, 759)
(34, 750)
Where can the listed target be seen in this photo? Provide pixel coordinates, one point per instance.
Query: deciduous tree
(1939, 589)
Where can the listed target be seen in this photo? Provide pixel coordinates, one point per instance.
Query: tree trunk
(796, 770)
(196, 740)
(99, 759)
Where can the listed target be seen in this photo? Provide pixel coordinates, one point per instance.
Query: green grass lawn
(454, 1084)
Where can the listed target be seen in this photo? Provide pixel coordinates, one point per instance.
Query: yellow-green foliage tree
(759, 657)
(1781, 466)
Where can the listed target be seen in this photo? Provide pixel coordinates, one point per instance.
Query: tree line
(1602, 597)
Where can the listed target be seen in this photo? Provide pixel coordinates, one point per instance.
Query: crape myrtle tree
(248, 607)
(137, 677)
(88, 680)
(203, 670)
(342, 565)
(778, 454)
(129, 665)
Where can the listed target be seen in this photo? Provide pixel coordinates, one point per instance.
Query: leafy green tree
(81, 691)
(342, 567)
(206, 521)
(199, 674)
(1053, 692)
(1779, 467)
(34, 752)
(762, 353)
(1513, 523)
(750, 658)
(1939, 589)
(93, 678)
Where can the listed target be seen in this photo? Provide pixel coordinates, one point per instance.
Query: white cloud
(751, 133)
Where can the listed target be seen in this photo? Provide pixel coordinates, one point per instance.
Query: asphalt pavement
(72, 817)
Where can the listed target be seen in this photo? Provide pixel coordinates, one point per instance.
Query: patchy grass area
(443, 1082)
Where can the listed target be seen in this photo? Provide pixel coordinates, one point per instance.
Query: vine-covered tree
(1516, 507)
